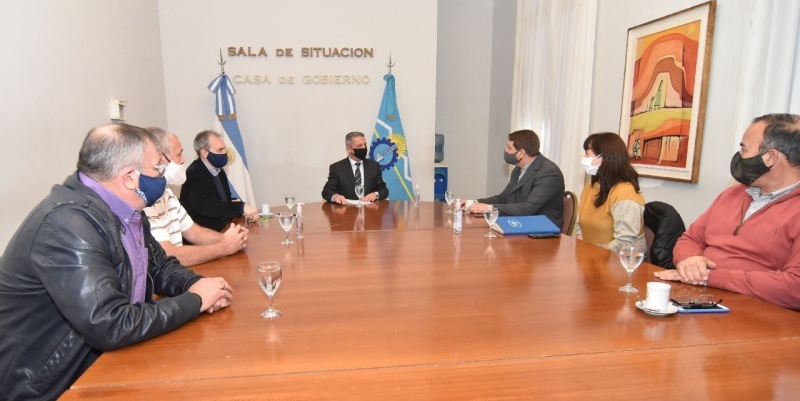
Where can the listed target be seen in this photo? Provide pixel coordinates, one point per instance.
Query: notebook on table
(539, 225)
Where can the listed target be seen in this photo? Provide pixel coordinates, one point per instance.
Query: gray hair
(201, 140)
(348, 139)
(162, 142)
(108, 150)
(782, 133)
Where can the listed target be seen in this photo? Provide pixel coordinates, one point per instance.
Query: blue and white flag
(226, 124)
(389, 146)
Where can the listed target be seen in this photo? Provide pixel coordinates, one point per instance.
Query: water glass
(490, 213)
(449, 197)
(286, 219)
(270, 276)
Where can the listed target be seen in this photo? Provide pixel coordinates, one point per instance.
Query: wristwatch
(377, 195)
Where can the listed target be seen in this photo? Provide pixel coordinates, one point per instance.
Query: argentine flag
(389, 146)
(226, 124)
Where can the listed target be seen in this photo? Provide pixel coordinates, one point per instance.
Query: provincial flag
(226, 124)
(389, 146)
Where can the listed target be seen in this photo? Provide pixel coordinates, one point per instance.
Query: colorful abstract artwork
(666, 77)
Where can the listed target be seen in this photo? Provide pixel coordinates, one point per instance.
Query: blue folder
(525, 225)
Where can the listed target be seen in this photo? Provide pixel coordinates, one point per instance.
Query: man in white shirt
(169, 222)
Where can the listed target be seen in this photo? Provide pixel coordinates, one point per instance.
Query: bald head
(109, 149)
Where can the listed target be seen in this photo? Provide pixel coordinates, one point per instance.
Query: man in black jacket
(78, 276)
(206, 195)
(344, 175)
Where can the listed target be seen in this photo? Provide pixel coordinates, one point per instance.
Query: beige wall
(292, 133)
(613, 19)
(62, 62)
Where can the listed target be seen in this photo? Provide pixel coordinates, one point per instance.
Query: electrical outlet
(116, 110)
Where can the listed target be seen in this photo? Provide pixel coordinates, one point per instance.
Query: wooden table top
(421, 313)
(382, 215)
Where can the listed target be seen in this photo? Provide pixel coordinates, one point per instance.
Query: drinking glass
(289, 198)
(359, 193)
(269, 278)
(631, 257)
(490, 214)
(449, 197)
(286, 219)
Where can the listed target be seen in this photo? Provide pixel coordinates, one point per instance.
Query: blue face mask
(218, 160)
(150, 188)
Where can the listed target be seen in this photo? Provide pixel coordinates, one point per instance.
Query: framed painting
(664, 93)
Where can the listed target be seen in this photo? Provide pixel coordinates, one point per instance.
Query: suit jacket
(540, 191)
(200, 198)
(342, 180)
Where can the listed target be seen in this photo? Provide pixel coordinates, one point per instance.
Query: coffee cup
(265, 209)
(657, 296)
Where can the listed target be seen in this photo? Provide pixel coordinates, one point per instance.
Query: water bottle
(416, 195)
(457, 216)
(299, 221)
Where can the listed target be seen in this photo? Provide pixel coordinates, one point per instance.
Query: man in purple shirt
(78, 276)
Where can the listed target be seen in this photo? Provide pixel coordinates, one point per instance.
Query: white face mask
(586, 163)
(175, 173)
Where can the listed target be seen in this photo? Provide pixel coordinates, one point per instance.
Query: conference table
(385, 302)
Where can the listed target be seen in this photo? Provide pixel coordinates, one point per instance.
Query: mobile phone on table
(718, 308)
(545, 235)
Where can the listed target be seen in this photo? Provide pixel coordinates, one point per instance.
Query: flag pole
(390, 64)
(222, 62)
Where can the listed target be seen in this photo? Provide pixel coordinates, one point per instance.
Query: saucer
(671, 309)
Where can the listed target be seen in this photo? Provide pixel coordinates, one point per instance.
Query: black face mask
(748, 170)
(360, 154)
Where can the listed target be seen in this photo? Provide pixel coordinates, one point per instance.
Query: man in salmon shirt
(748, 241)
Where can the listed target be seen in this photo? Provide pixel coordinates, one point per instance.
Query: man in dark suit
(536, 186)
(344, 175)
(206, 195)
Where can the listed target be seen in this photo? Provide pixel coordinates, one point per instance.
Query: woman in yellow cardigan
(611, 210)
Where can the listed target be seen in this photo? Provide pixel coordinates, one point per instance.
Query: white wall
(462, 92)
(473, 92)
(613, 20)
(504, 30)
(292, 133)
(62, 63)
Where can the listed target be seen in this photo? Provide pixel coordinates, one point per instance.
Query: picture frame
(667, 62)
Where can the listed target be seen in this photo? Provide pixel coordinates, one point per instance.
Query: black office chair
(663, 226)
(570, 213)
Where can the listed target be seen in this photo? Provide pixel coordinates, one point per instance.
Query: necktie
(220, 190)
(358, 173)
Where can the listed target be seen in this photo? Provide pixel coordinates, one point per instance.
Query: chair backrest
(649, 236)
(666, 226)
(570, 213)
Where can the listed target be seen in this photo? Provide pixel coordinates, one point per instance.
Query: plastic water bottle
(416, 195)
(457, 216)
(299, 221)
